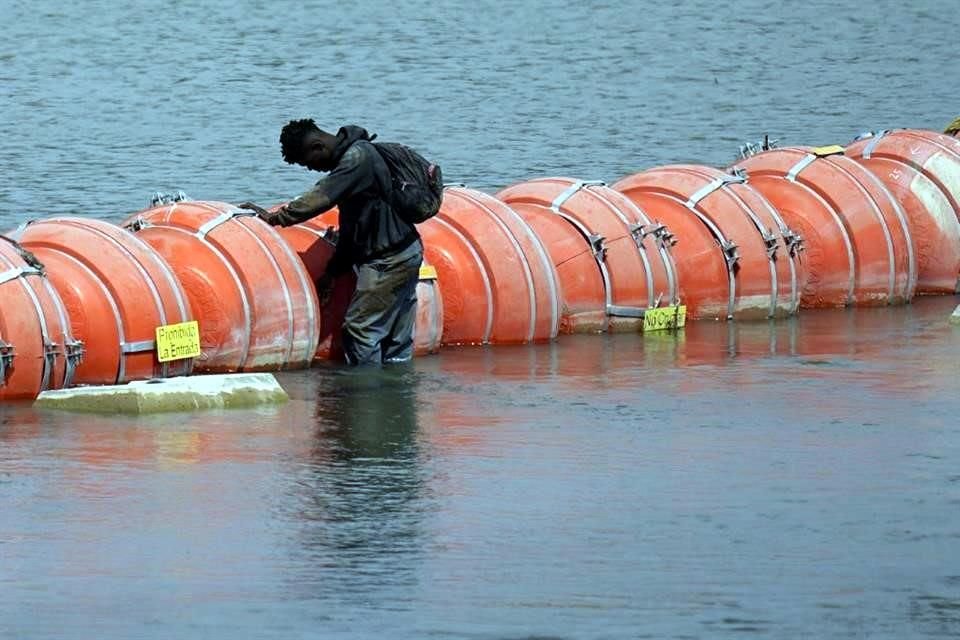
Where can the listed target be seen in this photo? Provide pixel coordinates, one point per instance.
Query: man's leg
(398, 343)
(382, 292)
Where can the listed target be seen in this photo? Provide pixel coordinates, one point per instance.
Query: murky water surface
(798, 479)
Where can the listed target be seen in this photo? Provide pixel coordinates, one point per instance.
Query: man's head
(303, 142)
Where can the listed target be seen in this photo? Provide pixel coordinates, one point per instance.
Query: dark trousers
(378, 326)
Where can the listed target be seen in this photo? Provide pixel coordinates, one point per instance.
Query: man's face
(316, 154)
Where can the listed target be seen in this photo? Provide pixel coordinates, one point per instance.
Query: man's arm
(351, 176)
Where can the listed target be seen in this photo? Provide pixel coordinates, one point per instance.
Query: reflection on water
(356, 494)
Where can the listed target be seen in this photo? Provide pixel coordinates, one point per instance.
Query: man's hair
(291, 138)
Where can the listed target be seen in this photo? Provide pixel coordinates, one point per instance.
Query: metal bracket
(770, 241)
(731, 253)
(572, 190)
(6, 359)
(800, 166)
(141, 346)
(794, 242)
(159, 198)
(875, 140)
(35, 265)
(50, 352)
(625, 312)
(137, 224)
(598, 245)
(226, 216)
(712, 186)
(663, 235)
(75, 351)
(748, 149)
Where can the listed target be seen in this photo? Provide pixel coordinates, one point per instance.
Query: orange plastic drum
(580, 286)
(117, 290)
(895, 220)
(37, 349)
(311, 243)
(247, 288)
(734, 253)
(497, 280)
(856, 240)
(633, 260)
(922, 172)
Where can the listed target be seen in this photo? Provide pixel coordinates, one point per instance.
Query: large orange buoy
(117, 291)
(734, 253)
(922, 171)
(250, 293)
(497, 280)
(632, 257)
(842, 211)
(580, 285)
(312, 240)
(37, 350)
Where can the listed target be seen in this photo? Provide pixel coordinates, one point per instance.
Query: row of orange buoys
(782, 229)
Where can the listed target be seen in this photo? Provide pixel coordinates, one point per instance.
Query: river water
(790, 480)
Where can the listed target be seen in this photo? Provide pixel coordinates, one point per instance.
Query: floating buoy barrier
(921, 169)
(207, 287)
(313, 240)
(37, 349)
(496, 278)
(856, 241)
(117, 290)
(256, 306)
(630, 253)
(735, 254)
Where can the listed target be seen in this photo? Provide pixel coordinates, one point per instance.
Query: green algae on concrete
(233, 391)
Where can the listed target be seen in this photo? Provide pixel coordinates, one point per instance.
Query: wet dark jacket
(359, 184)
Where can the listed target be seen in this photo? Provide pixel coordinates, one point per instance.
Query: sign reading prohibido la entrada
(178, 341)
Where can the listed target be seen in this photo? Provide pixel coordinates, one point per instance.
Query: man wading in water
(377, 236)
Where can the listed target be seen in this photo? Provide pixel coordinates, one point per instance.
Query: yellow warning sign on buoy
(178, 341)
(665, 318)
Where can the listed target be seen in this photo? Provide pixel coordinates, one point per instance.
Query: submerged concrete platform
(229, 391)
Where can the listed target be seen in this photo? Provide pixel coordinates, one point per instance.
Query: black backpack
(417, 184)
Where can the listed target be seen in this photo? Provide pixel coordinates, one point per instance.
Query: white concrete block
(172, 394)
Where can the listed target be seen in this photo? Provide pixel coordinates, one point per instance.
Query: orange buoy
(843, 212)
(250, 293)
(117, 291)
(37, 350)
(495, 275)
(580, 284)
(315, 247)
(735, 254)
(631, 253)
(921, 169)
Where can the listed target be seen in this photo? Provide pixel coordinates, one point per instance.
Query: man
(385, 251)
(953, 129)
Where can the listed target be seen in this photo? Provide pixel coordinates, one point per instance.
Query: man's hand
(325, 289)
(260, 211)
(270, 217)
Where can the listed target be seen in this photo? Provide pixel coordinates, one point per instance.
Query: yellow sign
(663, 318)
(428, 272)
(830, 150)
(178, 341)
